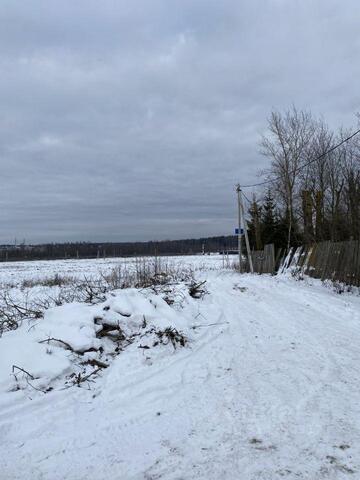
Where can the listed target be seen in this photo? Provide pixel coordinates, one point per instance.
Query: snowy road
(272, 391)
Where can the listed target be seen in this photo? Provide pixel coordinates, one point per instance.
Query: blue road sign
(237, 231)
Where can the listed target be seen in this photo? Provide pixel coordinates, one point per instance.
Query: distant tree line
(99, 250)
(304, 203)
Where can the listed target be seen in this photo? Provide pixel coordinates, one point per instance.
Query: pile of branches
(170, 335)
(12, 312)
(88, 367)
(197, 290)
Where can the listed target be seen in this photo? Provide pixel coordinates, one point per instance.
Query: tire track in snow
(308, 380)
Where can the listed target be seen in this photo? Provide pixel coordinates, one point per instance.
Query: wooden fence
(263, 260)
(336, 261)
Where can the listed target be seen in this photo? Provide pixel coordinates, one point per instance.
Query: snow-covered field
(266, 385)
(14, 273)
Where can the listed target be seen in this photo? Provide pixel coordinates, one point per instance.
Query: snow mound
(74, 342)
(21, 351)
(72, 323)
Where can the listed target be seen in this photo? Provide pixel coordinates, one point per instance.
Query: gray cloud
(134, 120)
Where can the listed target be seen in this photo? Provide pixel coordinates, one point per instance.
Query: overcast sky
(133, 120)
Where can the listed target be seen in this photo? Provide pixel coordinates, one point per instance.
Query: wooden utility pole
(246, 235)
(242, 224)
(238, 190)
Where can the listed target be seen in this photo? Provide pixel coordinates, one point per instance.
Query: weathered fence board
(336, 261)
(264, 260)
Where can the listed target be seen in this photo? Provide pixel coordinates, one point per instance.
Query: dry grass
(52, 281)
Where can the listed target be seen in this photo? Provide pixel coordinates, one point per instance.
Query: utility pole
(242, 223)
(246, 235)
(238, 190)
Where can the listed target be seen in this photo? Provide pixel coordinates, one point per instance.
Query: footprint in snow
(338, 465)
(258, 445)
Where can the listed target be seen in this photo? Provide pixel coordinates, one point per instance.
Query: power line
(265, 182)
(246, 198)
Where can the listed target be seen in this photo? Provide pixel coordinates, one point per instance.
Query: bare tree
(287, 144)
(352, 186)
(310, 179)
(314, 179)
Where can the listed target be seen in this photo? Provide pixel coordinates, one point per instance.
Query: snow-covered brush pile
(33, 297)
(74, 343)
